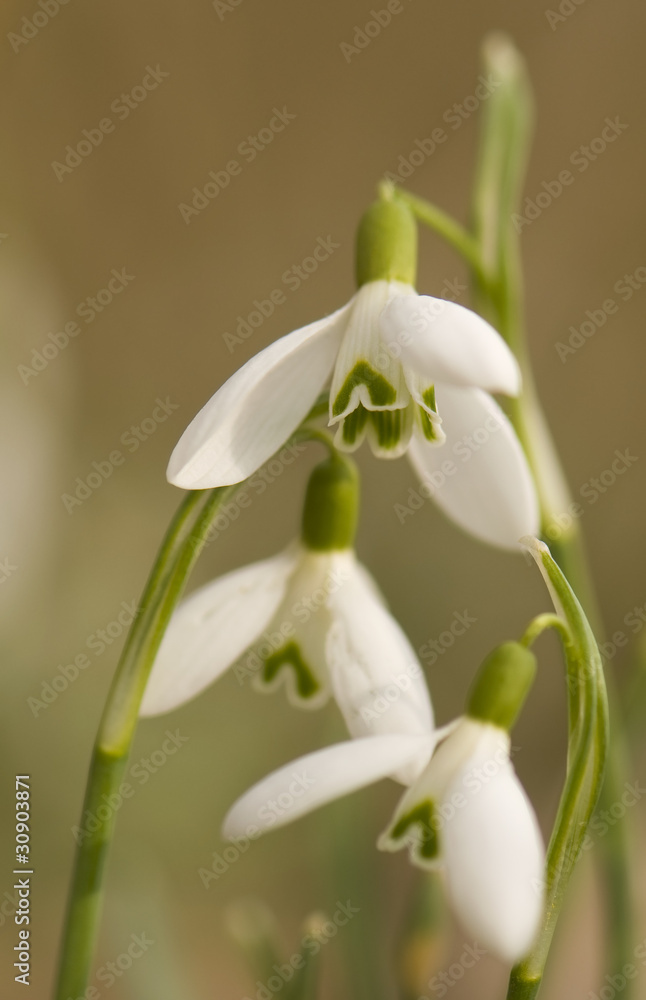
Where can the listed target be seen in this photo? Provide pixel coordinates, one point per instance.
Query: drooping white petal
(446, 342)
(368, 582)
(318, 778)
(365, 371)
(480, 477)
(376, 677)
(256, 410)
(212, 627)
(494, 853)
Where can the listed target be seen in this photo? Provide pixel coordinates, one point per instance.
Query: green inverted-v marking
(290, 655)
(381, 392)
(424, 815)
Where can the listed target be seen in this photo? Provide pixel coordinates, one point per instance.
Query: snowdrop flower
(310, 617)
(465, 810)
(409, 372)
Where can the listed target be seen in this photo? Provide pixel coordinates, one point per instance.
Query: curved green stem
(320, 409)
(177, 556)
(314, 434)
(539, 625)
(446, 227)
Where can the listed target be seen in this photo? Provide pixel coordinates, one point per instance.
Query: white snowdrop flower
(464, 812)
(310, 617)
(410, 372)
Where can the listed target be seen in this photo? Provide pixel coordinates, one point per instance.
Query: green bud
(502, 684)
(387, 243)
(331, 508)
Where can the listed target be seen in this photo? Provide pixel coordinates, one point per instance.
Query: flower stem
(445, 226)
(539, 625)
(177, 556)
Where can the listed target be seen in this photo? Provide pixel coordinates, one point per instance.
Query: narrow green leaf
(587, 749)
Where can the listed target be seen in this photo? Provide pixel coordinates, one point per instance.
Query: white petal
(368, 582)
(376, 677)
(494, 854)
(256, 410)
(211, 628)
(318, 778)
(446, 342)
(480, 477)
(384, 386)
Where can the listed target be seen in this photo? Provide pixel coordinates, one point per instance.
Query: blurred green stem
(446, 226)
(177, 556)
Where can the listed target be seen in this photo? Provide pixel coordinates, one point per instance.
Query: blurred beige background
(67, 573)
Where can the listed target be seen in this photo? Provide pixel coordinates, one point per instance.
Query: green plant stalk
(456, 235)
(177, 556)
(306, 981)
(421, 943)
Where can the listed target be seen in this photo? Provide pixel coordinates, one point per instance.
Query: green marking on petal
(389, 425)
(429, 398)
(428, 427)
(381, 392)
(290, 655)
(424, 816)
(353, 424)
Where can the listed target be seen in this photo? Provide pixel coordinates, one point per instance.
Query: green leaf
(587, 750)
(506, 131)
